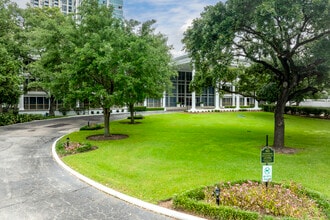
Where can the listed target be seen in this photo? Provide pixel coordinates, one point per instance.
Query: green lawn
(171, 153)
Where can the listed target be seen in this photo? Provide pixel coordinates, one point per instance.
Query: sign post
(267, 156)
(267, 173)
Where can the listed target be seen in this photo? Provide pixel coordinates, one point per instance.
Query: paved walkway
(34, 186)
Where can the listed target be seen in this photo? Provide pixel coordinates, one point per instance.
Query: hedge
(155, 109)
(191, 201)
(301, 110)
(136, 117)
(140, 108)
(91, 127)
(9, 118)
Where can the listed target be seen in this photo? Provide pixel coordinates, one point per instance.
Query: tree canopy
(10, 54)
(47, 31)
(290, 39)
(146, 64)
(115, 64)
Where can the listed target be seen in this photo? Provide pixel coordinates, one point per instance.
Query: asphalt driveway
(34, 186)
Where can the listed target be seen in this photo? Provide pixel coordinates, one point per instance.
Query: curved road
(34, 186)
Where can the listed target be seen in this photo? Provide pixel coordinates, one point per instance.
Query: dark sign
(267, 155)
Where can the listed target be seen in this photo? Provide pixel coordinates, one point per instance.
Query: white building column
(164, 101)
(256, 104)
(237, 101)
(245, 101)
(233, 96)
(193, 94)
(21, 103)
(145, 103)
(217, 97)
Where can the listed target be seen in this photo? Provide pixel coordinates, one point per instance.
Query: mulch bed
(286, 150)
(101, 137)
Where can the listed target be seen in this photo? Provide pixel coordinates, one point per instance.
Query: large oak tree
(290, 39)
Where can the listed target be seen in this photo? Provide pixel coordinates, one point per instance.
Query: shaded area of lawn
(168, 154)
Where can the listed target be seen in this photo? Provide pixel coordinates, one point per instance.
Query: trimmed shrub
(268, 108)
(10, 118)
(65, 149)
(140, 108)
(301, 110)
(136, 117)
(155, 109)
(191, 201)
(91, 127)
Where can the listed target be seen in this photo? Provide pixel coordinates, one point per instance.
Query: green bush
(140, 108)
(268, 108)
(136, 117)
(191, 201)
(10, 118)
(84, 148)
(155, 109)
(65, 148)
(91, 127)
(301, 110)
(230, 106)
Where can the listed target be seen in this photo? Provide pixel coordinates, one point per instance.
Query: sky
(172, 16)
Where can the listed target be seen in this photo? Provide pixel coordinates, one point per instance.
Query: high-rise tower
(117, 7)
(71, 6)
(66, 6)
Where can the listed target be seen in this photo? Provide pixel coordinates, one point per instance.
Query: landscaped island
(166, 155)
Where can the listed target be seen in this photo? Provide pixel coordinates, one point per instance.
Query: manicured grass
(168, 154)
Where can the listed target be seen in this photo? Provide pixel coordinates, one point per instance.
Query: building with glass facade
(66, 6)
(117, 7)
(71, 6)
(180, 97)
(208, 99)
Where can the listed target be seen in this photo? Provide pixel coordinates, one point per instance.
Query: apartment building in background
(71, 6)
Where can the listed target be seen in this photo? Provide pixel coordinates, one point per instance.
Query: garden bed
(253, 200)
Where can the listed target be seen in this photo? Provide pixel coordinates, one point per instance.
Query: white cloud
(172, 16)
(21, 3)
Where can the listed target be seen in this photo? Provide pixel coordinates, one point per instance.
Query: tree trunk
(131, 109)
(279, 127)
(52, 106)
(1, 110)
(106, 115)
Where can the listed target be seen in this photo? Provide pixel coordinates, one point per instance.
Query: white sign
(267, 173)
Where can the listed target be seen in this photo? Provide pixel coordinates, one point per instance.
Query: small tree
(95, 64)
(47, 33)
(146, 64)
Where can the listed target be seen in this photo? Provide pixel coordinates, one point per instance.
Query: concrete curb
(126, 198)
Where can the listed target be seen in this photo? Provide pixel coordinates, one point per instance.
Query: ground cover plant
(69, 148)
(254, 200)
(169, 154)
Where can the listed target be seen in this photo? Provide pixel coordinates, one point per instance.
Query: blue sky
(172, 16)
